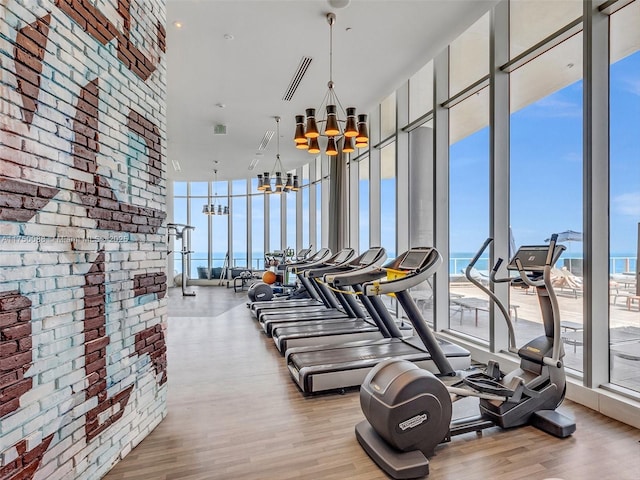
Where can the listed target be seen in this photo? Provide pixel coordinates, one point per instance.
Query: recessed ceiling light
(177, 24)
(228, 36)
(220, 105)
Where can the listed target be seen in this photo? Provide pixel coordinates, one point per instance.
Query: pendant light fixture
(290, 183)
(215, 208)
(355, 126)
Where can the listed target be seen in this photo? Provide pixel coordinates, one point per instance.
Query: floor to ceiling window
(275, 210)
(546, 179)
(305, 207)
(257, 227)
(199, 197)
(291, 221)
(388, 227)
(624, 191)
(363, 203)
(180, 217)
(219, 246)
(469, 212)
(318, 188)
(239, 223)
(468, 178)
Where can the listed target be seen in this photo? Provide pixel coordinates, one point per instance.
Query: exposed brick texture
(27, 462)
(151, 341)
(150, 283)
(149, 132)
(31, 42)
(99, 27)
(82, 194)
(15, 353)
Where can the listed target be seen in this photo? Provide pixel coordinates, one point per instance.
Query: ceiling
(377, 46)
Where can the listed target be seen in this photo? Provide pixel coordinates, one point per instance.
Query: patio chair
(562, 279)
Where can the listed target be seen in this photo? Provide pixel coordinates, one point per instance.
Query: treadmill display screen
(533, 258)
(343, 256)
(369, 257)
(413, 259)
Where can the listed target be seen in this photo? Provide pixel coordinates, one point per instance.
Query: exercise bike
(408, 410)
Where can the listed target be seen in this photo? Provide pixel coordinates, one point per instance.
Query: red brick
(8, 407)
(15, 362)
(16, 390)
(8, 348)
(8, 318)
(97, 344)
(95, 366)
(16, 331)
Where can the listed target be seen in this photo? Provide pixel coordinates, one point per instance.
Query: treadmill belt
(361, 352)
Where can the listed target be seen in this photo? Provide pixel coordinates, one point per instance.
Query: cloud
(627, 204)
(633, 85)
(554, 106)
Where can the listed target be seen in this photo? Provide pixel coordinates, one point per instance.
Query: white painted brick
(8, 456)
(36, 394)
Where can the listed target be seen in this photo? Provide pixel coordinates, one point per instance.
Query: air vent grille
(268, 135)
(297, 78)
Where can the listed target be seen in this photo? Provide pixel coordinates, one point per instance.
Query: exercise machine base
(553, 423)
(399, 465)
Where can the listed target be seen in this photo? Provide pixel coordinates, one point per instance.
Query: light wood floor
(235, 414)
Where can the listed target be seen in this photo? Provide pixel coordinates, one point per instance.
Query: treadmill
(335, 304)
(320, 256)
(323, 368)
(338, 329)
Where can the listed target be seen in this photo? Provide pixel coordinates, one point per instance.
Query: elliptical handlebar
(490, 294)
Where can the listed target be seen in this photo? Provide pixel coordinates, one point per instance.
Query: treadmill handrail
(360, 276)
(320, 257)
(413, 278)
(330, 264)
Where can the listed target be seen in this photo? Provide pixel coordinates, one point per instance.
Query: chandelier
(212, 208)
(355, 126)
(291, 183)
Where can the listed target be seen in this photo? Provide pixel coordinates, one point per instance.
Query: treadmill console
(369, 256)
(343, 256)
(534, 257)
(414, 259)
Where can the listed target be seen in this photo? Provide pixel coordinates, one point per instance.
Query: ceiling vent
(268, 135)
(297, 78)
(220, 129)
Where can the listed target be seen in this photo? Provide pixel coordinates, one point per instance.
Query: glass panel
(198, 189)
(291, 221)
(257, 231)
(388, 116)
(179, 216)
(179, 189)
(199, 238)
(363, 203)
(239, 187)
(388, 199)
(219, 240)
(469, 56)
(318, 187)
(220, 187)
(274, 222)
(305, 174)
(421, 92)
(469, 212)
(531, 21)
(305, 218)
(546, 156)
(624, 333)
(239, 226)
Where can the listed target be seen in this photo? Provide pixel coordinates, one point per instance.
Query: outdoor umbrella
(568, 236)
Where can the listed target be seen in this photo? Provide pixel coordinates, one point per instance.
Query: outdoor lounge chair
(563, 280)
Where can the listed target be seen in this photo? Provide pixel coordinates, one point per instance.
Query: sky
(546, 169)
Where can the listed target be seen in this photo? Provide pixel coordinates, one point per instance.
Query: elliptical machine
(408, 410)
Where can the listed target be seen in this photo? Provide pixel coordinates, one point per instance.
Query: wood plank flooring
(234, 413)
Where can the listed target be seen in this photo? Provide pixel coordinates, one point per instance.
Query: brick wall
(82, 243)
